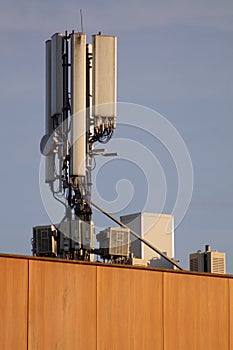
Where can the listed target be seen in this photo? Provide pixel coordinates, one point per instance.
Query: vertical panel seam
(96, 308)
(163, 324)
(27, 302)
(229, 315)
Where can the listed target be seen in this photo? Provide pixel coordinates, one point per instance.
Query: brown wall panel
(79, 306)
(196, 312)
(62, 306)
(13, 303)
(129, 309)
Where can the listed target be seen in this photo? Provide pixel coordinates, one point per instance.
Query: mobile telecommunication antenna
(81, 86)
(80, 111)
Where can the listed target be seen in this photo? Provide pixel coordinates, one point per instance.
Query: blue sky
(173, 56)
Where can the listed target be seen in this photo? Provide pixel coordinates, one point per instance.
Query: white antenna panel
(104, 75)
(49, 159)
(56, 74)
(48, 119)
(78, 104)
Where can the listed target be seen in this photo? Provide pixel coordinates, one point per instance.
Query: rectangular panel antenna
(78, 104)
(49, 160)
(104, 77)
(56, 74)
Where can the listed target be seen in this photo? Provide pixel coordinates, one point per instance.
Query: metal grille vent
(218, 265)
(194, 264)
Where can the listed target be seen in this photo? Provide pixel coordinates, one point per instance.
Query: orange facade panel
(51, 304)
(231, 313)
(196, 313)
(129, 309)
(13, 303)
(62, 306)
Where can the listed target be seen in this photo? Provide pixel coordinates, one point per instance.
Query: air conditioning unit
(114, 241)
(44, 241)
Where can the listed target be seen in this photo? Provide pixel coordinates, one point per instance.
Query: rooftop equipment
(114, 242)
(81, 89)
(44, 241)
(157, 228)
(208, 261)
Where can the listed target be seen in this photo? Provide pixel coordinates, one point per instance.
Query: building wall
(156, 228)
(159, 230)
(134, 222)
(52, 304)
(13, 303)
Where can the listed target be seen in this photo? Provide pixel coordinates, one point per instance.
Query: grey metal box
(114, 241)
(43, 242)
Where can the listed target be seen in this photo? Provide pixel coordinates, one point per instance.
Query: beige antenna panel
(104, 75)
(78, 104)
(56, 74)
(49, 160)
